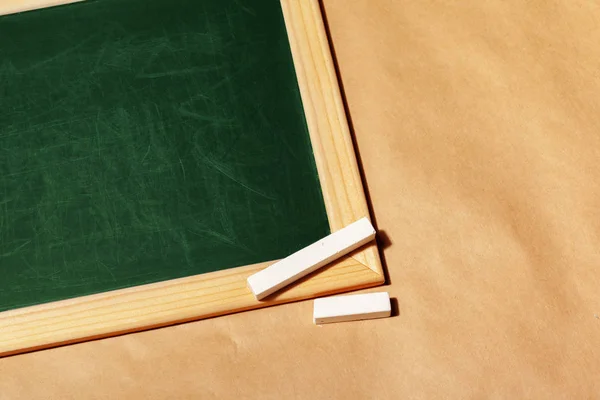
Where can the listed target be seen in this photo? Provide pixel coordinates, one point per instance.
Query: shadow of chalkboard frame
(218, 293)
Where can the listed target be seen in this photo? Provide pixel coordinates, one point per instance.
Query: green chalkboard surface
(145, 140)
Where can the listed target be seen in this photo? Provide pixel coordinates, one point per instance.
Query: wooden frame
(223, 292)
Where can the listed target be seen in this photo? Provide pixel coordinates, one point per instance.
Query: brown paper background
(478, 126)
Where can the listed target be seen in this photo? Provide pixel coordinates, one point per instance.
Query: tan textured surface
(478, 126)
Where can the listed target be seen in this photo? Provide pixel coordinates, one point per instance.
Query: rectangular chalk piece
(311, 258)
(352, 308)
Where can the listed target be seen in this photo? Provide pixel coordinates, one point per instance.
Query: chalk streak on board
(222, 169)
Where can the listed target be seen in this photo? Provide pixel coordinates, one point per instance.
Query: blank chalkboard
(147, 140)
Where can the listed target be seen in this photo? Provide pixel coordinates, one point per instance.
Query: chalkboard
(147, 140)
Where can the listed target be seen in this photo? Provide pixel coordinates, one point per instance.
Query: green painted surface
(144, 140)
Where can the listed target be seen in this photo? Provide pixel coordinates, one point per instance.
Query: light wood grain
(15, 6)
(224, 292)
(328, 126)
(160, 304)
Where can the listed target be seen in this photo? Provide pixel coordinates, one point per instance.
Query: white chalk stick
(352, 308)
(310, 258)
